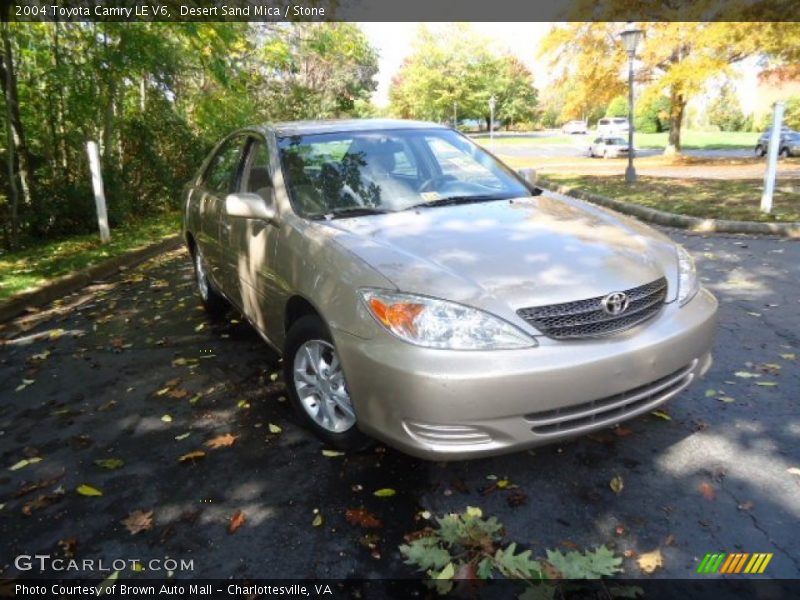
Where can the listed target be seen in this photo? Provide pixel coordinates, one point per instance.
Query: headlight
(687, 277)
(439, 324)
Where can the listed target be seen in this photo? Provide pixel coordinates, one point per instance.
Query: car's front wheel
(213, 301)
(760, 150)
(317, 385)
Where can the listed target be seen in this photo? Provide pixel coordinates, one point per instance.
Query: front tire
(317, 388)
(212, 300)
(761, 151)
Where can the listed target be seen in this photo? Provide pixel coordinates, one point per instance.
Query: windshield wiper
(453, 200)
(350, 211)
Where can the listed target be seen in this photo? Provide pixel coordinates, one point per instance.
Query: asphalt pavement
(120, 387)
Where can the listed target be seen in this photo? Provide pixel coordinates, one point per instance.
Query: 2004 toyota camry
(424, 294)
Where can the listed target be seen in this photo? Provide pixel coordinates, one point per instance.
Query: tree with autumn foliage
(676, 59)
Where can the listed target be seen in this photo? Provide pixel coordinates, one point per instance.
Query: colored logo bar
(739, 562)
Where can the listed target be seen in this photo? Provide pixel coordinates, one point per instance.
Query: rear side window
(223, 171)
(603, 122)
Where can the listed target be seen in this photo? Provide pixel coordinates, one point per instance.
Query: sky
(394, 41)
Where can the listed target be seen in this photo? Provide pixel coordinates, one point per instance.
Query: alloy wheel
(320, 385)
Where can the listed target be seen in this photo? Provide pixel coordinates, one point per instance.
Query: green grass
(690, 140)
(28, 269)
(737, 200)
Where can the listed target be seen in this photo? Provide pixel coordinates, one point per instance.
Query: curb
(660, 217)
(69, 283)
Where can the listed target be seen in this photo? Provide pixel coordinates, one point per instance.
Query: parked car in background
(424, 294)
(612, 126)
(609, 147)
(789, 143)
(573, 127)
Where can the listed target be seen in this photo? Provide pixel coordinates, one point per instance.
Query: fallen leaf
(200, 327)
(332, 453)
(43, 501)
(24, 463)
(503, 484)
(25, 383)
(621, 431)
(789, 356)
(37, 485)
(384, 492)
(767, 383)
(183, 436)
(362, 518)
(109, 463)
(793, 471)
(138, 521)
(707, 490)
(274, 428)
(746, 374)
(237, 520)
(107, 584)
(166, 419)
(650, 561)
(177, 393)
(670, 540)
(474, 511)
(516, 499)
(68, 546)
(222, 441)
(617, 484)
(745, 506)
(711, 393)
(192, 456)
(87, 490)
(317, 522)
(661, 415)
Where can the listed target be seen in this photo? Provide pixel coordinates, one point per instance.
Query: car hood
(525, 252)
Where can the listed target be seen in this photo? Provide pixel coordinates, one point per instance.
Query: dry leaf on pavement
(138, 521)
(237, 520)
(362, 518)
(222, 441)
(650, 561)
(192, 456)
(708, 491)
(617, 484)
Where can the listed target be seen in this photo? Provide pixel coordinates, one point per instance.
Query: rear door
(221, 177)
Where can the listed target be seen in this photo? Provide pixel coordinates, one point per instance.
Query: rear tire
(317, 388)
(760, 151)
(214, 303)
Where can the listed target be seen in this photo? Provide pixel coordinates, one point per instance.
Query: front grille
(612, 409)
(586, 318)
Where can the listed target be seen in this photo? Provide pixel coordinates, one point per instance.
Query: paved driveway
(127, 368)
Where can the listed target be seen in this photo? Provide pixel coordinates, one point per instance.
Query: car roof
(289, 128)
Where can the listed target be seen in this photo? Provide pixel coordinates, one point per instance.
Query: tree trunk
(17, 144)
(676, 110)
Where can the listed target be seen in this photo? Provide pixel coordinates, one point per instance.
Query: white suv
(612, 126)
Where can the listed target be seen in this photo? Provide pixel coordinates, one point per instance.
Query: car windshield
(366, 172)
(616, 142)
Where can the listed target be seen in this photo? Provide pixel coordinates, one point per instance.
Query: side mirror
(249, 206)
(529, 176)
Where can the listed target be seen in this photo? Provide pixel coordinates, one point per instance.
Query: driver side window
(223, 172)
(257, 179)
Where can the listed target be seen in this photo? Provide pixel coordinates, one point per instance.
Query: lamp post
(630, 38)
(492, 103)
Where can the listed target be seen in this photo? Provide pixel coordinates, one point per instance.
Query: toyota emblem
(616, 303)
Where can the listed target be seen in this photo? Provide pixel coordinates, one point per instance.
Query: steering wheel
(435, 181)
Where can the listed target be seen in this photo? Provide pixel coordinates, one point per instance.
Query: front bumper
(445, 404)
